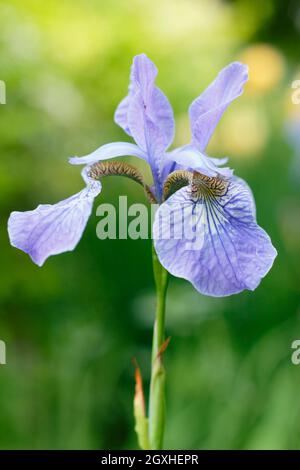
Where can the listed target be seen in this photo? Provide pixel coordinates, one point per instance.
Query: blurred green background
(72, 327)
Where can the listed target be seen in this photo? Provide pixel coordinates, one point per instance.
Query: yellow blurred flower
(242, 133)
(266, 67)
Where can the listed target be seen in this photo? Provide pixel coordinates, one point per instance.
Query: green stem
(157, 384)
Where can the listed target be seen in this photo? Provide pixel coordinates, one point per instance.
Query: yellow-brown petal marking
(200, 185)
(175, 181)
(116, 168)
(208, 186)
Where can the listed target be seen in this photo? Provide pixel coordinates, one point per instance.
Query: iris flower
(232, 252)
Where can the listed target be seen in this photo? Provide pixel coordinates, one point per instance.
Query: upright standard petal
(206, 111)
(153, 102)
(52, 229)
(146, 113)
(142, 77)
(213, 239)
(120, 116)
(108, 151)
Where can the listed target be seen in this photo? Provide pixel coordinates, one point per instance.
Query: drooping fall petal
(214, 240)
(52, 229)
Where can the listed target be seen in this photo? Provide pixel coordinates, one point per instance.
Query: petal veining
(212, 238)
(51, 229)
